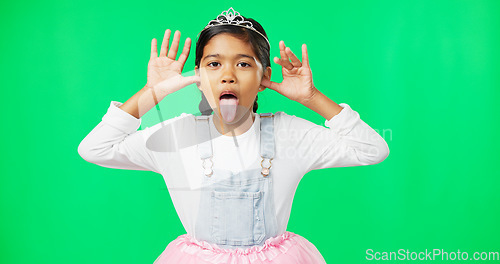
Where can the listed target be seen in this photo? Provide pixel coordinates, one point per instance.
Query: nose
(228, 76)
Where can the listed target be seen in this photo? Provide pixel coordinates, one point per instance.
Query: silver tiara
(233, 18)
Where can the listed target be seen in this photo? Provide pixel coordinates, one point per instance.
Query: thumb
(190, 80)
(270, 84)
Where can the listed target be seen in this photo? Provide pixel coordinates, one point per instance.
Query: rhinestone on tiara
(233, 18)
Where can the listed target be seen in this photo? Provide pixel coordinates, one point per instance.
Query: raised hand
(164, 72)
(297, 81)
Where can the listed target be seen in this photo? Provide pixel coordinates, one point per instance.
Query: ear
(267, 75)
(197, 73)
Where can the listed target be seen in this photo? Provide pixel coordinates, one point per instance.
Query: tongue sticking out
(228, 106)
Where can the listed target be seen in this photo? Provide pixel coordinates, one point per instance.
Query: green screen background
(424, 74)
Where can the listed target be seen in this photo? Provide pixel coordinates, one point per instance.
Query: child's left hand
(297, 81)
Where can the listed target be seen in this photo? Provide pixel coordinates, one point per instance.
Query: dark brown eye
(211, 63)
(248, 65)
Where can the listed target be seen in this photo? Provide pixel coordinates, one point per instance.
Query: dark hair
(259, 46)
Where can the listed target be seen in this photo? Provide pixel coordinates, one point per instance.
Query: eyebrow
(217, 55)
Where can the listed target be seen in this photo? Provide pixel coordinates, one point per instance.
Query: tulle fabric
(288, 248)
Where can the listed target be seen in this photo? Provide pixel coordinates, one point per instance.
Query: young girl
(232, 174)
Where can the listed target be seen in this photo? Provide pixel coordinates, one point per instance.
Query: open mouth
(228, 96)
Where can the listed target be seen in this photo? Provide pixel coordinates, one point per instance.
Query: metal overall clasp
(265, 169)
(207, 165)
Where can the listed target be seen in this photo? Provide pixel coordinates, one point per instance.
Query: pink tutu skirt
(288, 248)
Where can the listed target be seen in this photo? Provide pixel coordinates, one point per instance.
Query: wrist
(311, 98)
(156, 92)
(323, 105)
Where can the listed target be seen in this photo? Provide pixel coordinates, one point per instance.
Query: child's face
(222, 68)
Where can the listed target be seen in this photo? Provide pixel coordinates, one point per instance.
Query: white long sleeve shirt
(169, 148)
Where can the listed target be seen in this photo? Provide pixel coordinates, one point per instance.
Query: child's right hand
(164, 72)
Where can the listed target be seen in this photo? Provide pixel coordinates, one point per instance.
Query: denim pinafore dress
(236, 209)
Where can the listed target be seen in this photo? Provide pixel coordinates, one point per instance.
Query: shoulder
(162, 136)
(179, 120)
(283, 120)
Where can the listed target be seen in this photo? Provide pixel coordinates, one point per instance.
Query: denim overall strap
(266, 141)
(267, 135)
(204, 143)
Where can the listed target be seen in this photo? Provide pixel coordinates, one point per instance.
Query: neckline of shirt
(251, 131)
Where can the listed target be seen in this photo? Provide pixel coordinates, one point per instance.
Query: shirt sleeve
(116, 143)
(345, 141)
